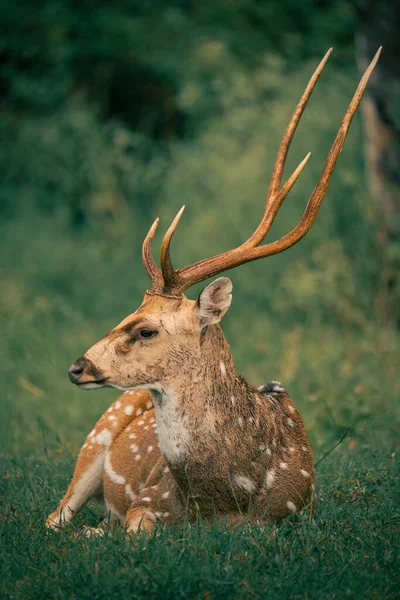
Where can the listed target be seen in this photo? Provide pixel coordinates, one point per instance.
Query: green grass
(349, 550)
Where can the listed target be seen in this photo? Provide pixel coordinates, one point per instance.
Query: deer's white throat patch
(172, 427)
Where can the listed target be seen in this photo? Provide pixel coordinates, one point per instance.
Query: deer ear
(214, 301)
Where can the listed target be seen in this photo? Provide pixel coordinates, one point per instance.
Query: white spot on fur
(137, 457)
(165, 470)
(222, 368)
(292, 449)
(291, 408)
(165, 515)
(128, 410)
(134, 448)
(141, 422)
(240, 421)
(129, 492)
(146, 499)
(112, 418)
(173, 434)
(284, 449)
(149, 404)
(304, 448)
(233, 400)
(291, 423)
(115, 478)
(270, 478)
(245, 483)
(165, 495)
(104, 438)
(283, 465)
(268, 452)
(139, 412)
(291, 506)
(158, 514)
(132, 436)
(305, 473)
(111, 408)
(118, 404)
(150, 449)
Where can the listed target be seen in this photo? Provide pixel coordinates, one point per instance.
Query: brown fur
(239, 452)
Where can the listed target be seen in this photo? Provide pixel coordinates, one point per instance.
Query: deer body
(184, 446)
(238, 440)
(212, 444)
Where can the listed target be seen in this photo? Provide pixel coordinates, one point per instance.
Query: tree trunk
(380, 25)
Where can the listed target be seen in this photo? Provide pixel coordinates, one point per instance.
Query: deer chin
(92, 385)
(154, 388)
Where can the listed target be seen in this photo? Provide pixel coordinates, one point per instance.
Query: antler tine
(153, 271)
(276, 196)
(168, 271)
(319, 192)
(250, 250)
(293, 178)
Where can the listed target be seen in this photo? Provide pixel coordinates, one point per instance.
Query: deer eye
(147, 333)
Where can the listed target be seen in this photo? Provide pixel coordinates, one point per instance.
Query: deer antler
(169, 280)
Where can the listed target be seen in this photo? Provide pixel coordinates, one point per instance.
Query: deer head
(164, 336)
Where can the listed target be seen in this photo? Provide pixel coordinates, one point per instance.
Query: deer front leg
(86, 482)
(160, 500)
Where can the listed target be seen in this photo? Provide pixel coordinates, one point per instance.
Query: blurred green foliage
(93, 94)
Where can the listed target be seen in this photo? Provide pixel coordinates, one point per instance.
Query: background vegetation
(112, 114)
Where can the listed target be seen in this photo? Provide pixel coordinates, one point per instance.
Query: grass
(349, 550)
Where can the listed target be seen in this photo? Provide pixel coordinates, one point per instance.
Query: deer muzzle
(85, 374)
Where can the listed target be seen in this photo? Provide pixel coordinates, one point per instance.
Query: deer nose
(76, 369)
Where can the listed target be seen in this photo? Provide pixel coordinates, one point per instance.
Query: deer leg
(160, 500)
(86, 482)
(106, 523)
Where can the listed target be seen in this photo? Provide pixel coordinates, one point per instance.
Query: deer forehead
(163, 312)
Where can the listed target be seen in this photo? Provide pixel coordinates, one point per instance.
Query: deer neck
(189, 405)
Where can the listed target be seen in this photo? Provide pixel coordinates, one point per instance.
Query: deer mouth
(91, 385)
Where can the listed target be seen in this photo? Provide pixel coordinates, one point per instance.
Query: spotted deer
(189, 435)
